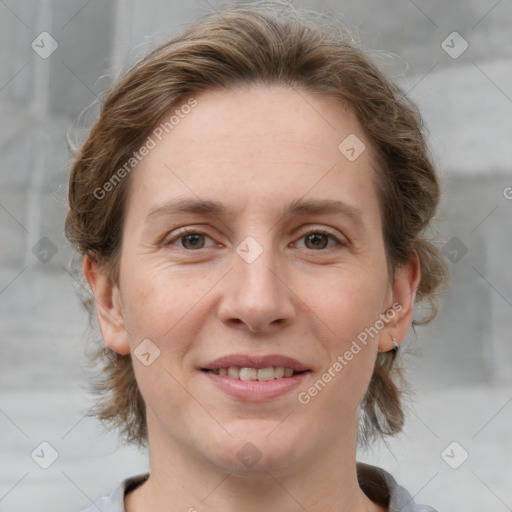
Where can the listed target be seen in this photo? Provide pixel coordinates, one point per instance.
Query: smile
(260, 374)
(255, 378)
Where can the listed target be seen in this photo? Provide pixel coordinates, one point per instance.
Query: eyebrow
(218, 209)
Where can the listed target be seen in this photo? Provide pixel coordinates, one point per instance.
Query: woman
(250, 209)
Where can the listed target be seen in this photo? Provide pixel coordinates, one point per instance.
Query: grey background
(460, 366)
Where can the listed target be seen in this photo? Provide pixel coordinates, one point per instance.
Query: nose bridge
(254, 265)
(256, 295)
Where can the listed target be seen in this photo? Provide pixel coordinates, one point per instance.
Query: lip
(254, 390)
(252, 361)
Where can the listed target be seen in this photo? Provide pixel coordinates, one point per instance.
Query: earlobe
(402, 297)
(108, 306)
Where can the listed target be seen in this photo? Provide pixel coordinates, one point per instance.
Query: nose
(256, 296)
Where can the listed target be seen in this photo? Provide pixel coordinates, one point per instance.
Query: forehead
(262, 120)
(257, 145)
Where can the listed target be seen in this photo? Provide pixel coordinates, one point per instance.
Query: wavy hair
(256, 45)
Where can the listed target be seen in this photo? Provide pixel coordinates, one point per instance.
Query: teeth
(279, 372)
(266, 373)
(234, 372)
(248, 374)
(260, 374)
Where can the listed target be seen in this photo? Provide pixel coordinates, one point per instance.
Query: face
(252, 241)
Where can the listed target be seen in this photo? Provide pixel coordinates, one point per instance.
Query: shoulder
(114, 502)
(375, 482)
(382, 488)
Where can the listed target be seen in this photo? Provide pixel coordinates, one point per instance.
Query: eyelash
(191, 231)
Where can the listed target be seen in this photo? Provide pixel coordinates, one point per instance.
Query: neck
(179, 480)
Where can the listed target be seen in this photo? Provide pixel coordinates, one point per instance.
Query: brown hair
(243, 45)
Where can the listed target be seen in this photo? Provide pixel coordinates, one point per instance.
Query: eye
(316, 239)
(190, 239)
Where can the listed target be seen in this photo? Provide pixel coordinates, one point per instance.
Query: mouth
(255, 378)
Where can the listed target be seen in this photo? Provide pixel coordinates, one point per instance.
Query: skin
(255, 149)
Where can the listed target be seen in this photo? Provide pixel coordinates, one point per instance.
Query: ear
(401, 298)
(108, 307)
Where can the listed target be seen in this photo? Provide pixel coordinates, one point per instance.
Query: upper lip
(253, 361)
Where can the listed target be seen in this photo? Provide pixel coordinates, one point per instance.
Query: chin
(258, 449)
(251, 462)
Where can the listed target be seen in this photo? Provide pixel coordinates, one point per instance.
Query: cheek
(350, 302)
(340, 385)
(156, 297)
(349, 309)
(159, 306)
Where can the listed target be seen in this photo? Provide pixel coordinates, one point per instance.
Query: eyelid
(181, 232)
(340, 240)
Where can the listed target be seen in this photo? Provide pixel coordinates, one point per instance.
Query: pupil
(315, 239)
(192, 240)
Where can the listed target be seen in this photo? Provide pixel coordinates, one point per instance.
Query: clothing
(376, 483)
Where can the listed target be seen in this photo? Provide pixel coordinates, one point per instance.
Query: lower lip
(255, 390)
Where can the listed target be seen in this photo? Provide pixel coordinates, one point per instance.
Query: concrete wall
(467, 103)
